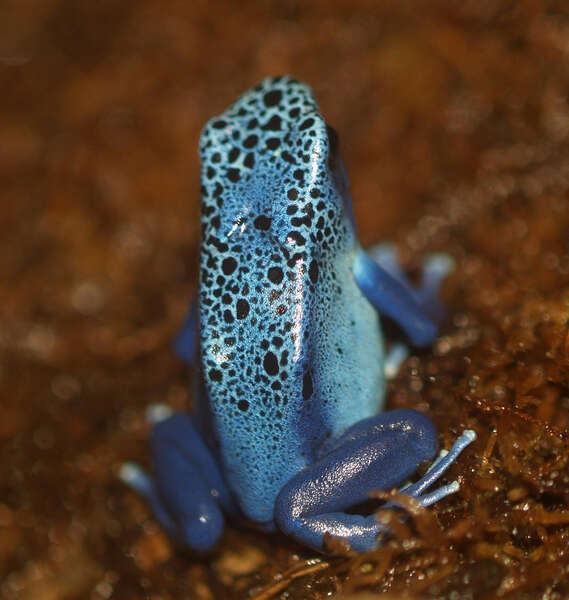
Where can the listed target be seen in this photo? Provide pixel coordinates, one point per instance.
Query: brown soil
(454, 121)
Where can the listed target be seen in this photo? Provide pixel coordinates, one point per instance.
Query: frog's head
(271, 168)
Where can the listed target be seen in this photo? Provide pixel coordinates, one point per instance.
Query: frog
(288, 431)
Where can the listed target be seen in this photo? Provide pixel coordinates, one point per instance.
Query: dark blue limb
(186, 342)
(187, 492)
(375, 454)
(435, 269)
(394, 299)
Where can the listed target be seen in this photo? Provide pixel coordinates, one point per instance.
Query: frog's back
(291, 350)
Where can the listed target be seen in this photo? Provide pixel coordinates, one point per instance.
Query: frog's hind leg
(375, 454)
(187, 491)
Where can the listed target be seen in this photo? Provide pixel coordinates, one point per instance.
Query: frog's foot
(444, 460)
(187, 492)
(437, 468)
(387, 449)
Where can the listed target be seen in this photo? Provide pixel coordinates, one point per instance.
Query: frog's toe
(135, 477)
(435, 269)
(445, 459)
(394, 358)
(386, 256)
(438, 265)
(156, 413)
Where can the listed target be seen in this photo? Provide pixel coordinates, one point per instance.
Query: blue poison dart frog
(288, 431)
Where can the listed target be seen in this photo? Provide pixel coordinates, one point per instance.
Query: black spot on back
(233, 154)
(242, 308)
(215, 375)
(273, 143)
(297, 238)
(276, 274)
(273, 124)
(250, 141)
(262, 222)
(271, 364)
(306, 124)
(229, 265)
(272, 98)
(234, 175)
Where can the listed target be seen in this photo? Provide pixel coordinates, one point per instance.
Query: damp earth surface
(454, 124)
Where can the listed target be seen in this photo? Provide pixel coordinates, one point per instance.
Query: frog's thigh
(188, 488)
(375, 454)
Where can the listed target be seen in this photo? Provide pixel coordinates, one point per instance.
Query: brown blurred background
(453, 119)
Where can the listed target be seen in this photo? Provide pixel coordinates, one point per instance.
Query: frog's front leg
(389, 291)
(435, 269)
(377, 453)
(187, 492)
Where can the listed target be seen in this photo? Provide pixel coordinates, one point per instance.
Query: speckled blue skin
(286, 430)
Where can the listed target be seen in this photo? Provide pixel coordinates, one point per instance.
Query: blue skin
(288, 430)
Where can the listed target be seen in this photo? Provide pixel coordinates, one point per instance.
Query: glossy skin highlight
(286, 430)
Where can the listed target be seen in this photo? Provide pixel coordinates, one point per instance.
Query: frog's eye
(333, 144)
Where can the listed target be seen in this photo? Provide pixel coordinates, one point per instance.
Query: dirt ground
(454, 124)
